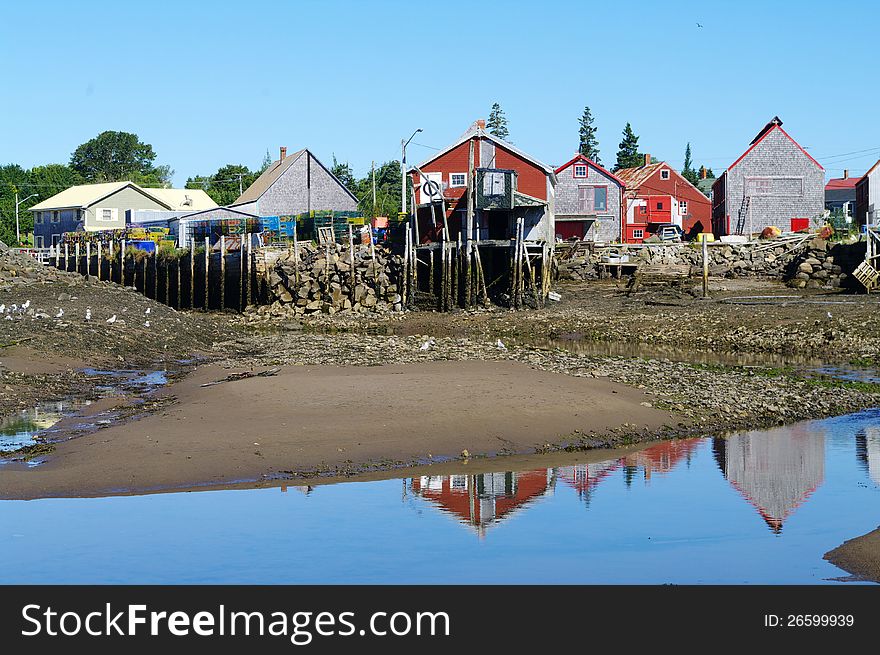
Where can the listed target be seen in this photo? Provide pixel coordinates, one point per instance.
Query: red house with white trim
(657, 193)
(508, 184)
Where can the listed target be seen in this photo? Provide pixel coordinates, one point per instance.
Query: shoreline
(860, 556)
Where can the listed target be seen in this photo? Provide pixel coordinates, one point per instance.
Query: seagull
(146, 324)
(699, 25)
(88, 314)
(147, 311)
(112, 319)
(500, 345)
(60, 313)
(26, 305)
(8, 317)
(2, 309)
(829, 314)
(428, 344)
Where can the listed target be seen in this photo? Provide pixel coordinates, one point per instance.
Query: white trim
(667, 172)
(638, 234)
(100, 216)
(586, 171)
(453, 185)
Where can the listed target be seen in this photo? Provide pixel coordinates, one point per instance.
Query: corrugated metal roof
(276, 169)
(80, 196)
(633, 178)
(187, 199)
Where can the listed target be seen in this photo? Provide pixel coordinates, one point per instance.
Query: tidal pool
(757, 507)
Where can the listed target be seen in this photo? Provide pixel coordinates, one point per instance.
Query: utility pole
(403, 145)
(17, 225)
(240, 190)
(373, 169)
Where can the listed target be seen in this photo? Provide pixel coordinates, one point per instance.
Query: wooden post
(405, 282)
(431, 271)
(177, 298)
(122, 263)
(241, 304)
(222, 272)
(459, 278)
(88, 259)
(471, 184)
(482, 273)
(248, 299)
(155, 260)
(76, 256)
(207, 272)
(296, 255)
(705, 267)
(192, 273)
(144, 277)
(66, 257)
(99, 261)
(351, 262)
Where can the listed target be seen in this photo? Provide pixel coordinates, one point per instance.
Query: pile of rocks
(823, 265)
(327, 280)
(20, 270)
(807, 263)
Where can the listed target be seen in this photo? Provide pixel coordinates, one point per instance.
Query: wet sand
(332, 420)
(859, 557)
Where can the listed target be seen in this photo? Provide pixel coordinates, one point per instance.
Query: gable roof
(275, 170)
(769, 128)
(635, 178)
(870, 170)
(85, 195)
(186, 199)
(583, 158)
(476, 131)
(218, 208)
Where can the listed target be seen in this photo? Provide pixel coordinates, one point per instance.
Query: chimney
(647, 159)
(283, 152)
(481, 124)
(703, 173)
(845, 173)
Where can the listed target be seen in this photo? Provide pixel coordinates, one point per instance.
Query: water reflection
(480, 501)
(776, 471)
(868, 452)
(21, 428)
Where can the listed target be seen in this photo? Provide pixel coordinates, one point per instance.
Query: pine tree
(589, 145)
(497, 122)
(688, 172)
(628, 154)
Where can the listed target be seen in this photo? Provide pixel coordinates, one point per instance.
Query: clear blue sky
(211, 83)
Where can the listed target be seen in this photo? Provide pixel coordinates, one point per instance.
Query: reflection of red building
(775, 471)
(662, 457)
(484, 499)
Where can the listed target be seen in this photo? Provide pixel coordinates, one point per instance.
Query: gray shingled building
(295, 184)
(774, 183)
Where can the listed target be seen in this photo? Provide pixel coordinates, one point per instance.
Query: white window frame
(452, 183)
(665, 174)
(586, 171)
(38, 218)
(638, 234)
(38, 241)
(99, 214)
(56, 217)
(683, 207)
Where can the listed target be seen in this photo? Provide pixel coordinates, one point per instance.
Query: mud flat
(308, 420)
(859, 557)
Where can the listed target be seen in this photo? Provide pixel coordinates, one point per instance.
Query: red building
(657, 193)
(508, 184)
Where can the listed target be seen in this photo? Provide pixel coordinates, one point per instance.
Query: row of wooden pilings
(212, 280)
(456, 274)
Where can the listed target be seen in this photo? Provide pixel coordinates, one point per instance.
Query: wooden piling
(167, 282)
(250, 260)
(222, 272)
(88, 259)
(144, 277)
(100, 262)
(155, 260)
(431, 272)
(706, 267)
(66, 257)
(352, 274)
(207, 294)
(76, 258)
(296, 254)
(192, 274)
(122, 263)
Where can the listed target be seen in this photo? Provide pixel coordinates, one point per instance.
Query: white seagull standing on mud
(60, 313)
(500, 345)
(88, 314)
(112, 319)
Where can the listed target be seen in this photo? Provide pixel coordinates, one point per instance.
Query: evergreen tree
(628, 153)
(267, 162)
(688, 172)
(497, 122)
(589, 145)
(344, 173)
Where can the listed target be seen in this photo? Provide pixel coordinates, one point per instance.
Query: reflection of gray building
(775, 470)
(868, 452)
(584, 477)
